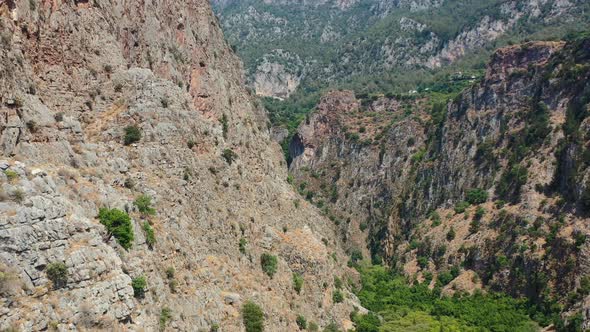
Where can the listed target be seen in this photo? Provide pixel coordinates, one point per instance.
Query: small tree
(269, 264)
(143, 204)
(474, 226)
(118, 224)
(451, 234)
(132, 135)
(11, 175)
(170, 272)
(476, 196)
(229, 155)
(337, 296)
(461, 207)
(139, 285)
(301, 322)
(224, 125)
(165, 317)
(337, 283)
(479, 213)
(297, 282)
(242, 245)
(313, 327)
(150, 237)
(57, 272)
(253, 317)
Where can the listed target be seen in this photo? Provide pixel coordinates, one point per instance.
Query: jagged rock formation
(276, 76)
(513, 145)
(73, 76)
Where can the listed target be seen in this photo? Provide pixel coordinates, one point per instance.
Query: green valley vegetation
(404, 307)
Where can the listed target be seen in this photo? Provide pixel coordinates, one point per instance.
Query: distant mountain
(291, 44)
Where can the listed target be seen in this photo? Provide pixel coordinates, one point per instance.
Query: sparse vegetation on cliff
(253, 317)
(57, 272)
(118, 224)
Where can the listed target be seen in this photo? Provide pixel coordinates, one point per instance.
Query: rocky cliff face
(495, 182)
(73, 76)
(277, 76)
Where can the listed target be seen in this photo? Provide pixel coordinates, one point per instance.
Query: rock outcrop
(495, 182)
(74, 77)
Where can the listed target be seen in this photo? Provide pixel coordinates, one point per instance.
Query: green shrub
(356, 255)
(511, 181)
(461, 207)
(422, 262)
(445, 277)
(57, 272)
(451, 234)
(11, 175)
(479, 213)
(337, 283)
(242, 245)
(476, 196)
(18, 195)
(224, 125)
(139, 285)
(129, 183)
(118, 224)
(297, 282)
(165, 317)
(253, 317)
(301, 322)
(269, 264)
(313, 327)
(172, 284)
(474, 226)
(214, 327)
(229, 155)
(150, 237)
(366, 323)
(132, 135)
(584, 285)
(332, 327)
(170, 272)
(435, 217)
(419, 156)
(143, 204)
(337, 296)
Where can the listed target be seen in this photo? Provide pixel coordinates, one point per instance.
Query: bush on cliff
(253, 317)
(269, 264)
(57, 272)
(132, 135)
(118, 224)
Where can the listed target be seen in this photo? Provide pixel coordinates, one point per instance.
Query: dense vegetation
(417, 308)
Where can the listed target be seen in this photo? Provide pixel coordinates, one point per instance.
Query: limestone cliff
(73, 76)
(492, 186)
